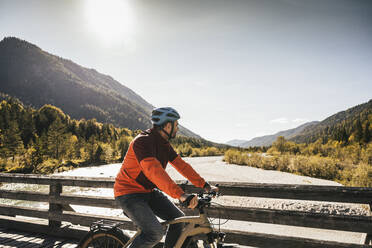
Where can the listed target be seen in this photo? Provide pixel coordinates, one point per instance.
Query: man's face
(168, 128)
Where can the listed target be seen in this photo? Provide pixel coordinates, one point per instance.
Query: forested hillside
(43, 140)
(38, 78)
(349, 126)
(46, 140)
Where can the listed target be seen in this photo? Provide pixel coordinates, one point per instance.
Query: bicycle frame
(203, 227)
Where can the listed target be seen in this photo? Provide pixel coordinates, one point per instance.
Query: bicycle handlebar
(204, 199)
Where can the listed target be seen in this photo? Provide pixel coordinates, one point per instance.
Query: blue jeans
(142, 209)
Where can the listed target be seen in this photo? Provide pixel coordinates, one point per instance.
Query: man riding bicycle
(142, 178)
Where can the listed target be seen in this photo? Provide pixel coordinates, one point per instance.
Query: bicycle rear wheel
(104, 239)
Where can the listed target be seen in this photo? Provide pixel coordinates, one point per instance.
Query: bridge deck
(10, 238)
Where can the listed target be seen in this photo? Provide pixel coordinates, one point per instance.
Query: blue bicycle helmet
(159, 116)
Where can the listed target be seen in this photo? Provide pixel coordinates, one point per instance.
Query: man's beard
(174, 134)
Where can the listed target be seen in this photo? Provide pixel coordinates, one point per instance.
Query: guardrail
(60, 210)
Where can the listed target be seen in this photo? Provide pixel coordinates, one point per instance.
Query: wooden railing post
(368, 240)
(55, 190)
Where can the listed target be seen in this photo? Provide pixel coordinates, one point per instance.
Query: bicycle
(198, 231)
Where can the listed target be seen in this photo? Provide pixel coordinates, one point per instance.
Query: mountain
(236, 142)
(267, 140)
(38, 78)
(353, 123)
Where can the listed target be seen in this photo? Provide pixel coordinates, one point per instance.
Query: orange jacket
(143, 168)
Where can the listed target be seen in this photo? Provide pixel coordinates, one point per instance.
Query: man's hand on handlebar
(209, 188)
(189, 200)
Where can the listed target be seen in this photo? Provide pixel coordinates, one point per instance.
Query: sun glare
(111, 20)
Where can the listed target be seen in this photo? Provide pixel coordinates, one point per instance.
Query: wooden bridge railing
(60, 210)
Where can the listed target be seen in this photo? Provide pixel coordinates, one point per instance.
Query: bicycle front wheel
(104, 239)
(197, 243)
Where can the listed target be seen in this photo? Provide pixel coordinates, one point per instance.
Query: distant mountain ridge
(353, 124)
(236, 142)
(38, 78)
(340, 126)
(267, 140)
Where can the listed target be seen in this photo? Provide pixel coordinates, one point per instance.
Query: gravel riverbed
(214, 169)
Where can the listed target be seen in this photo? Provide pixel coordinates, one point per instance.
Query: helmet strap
(169, 134)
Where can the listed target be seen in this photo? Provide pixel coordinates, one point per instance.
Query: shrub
(48, 166)
(195, 152)
(362, 176)
(316, 166)
(2, 165)
(233, 156)
(254, 160)
(107, 153)
(283, 163)
(366, 154)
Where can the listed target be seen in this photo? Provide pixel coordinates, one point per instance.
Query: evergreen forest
(47, 140)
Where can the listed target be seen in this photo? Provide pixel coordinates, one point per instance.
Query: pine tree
(343, 135)
(12, 144)
(44, 151)
(279, 144)
(1, 143)
(37, 154)
(56, 138)
(27, 127)
(91, 148)
(123, 146)
(98, 156)
(359, 131)
(367, 133)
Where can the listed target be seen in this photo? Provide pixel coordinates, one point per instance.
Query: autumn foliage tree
(49, 138)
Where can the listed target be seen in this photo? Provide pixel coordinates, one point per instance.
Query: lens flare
(111, 20)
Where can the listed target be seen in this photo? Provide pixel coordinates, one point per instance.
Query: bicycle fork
(195, 225)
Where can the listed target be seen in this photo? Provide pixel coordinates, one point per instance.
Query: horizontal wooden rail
(281, 191)
(244, 238)
(96, 182)
(71, 199)
(281, 217)
(24, 211)
(294, 191)
(294, 218)
(270, 240)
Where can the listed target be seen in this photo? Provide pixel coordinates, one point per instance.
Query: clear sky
(233, 69)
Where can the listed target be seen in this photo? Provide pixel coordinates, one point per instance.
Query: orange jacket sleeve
(153, 170)
(187, 171)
